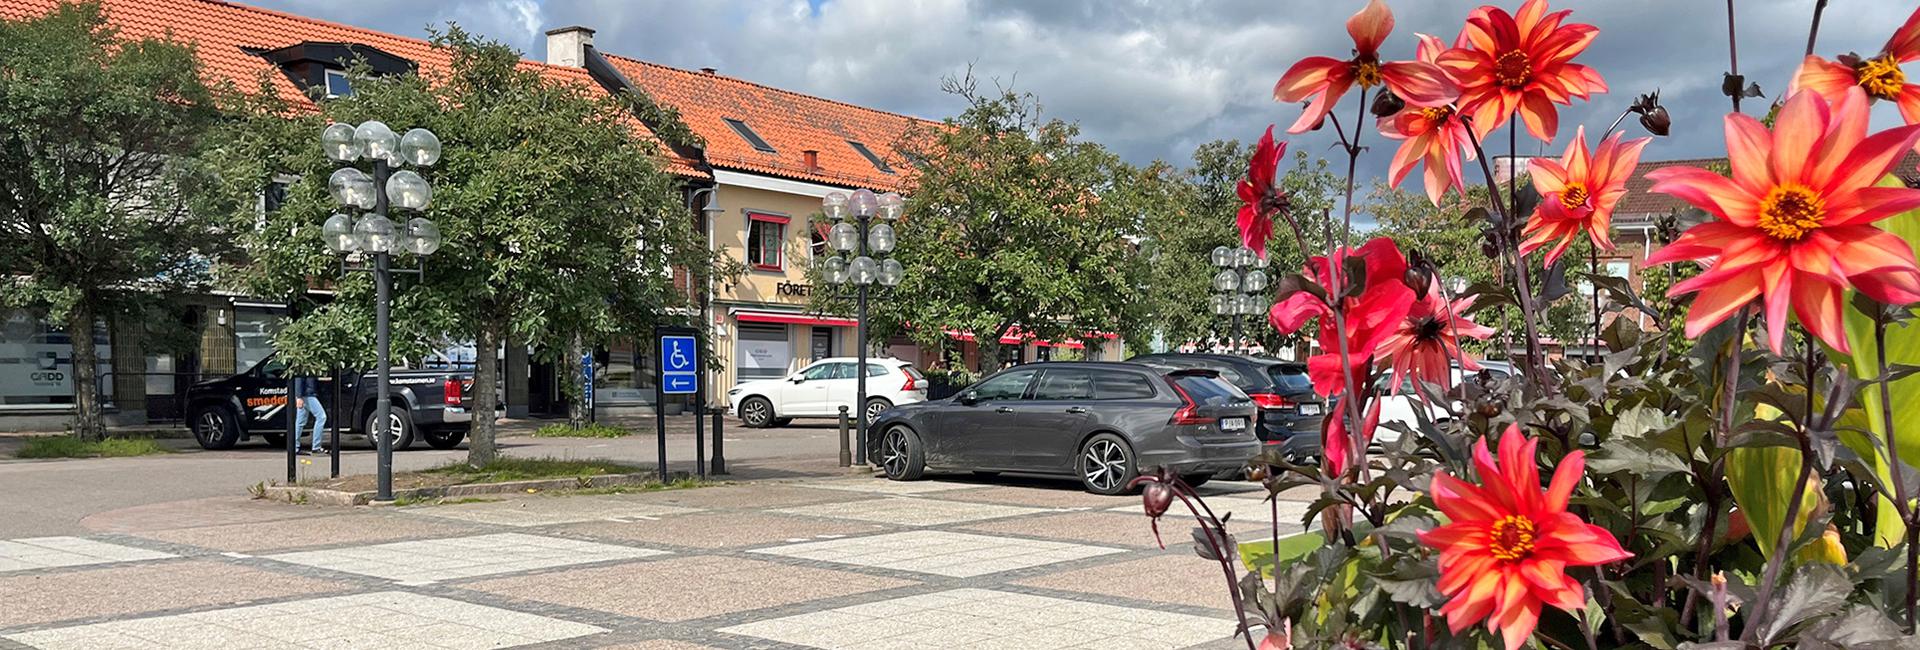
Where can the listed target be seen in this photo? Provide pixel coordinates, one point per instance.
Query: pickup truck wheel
(756, 412)
(401, 423)
(215, 427)
(445, 438)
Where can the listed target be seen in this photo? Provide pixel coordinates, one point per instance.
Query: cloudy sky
(1149, 78)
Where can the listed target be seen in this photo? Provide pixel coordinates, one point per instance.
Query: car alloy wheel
(210, 427)
(1106, 464)
(875, 408)
(756, 412)
(893, 452)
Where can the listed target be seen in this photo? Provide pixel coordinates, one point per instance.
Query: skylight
(746, 133)
(877, 162)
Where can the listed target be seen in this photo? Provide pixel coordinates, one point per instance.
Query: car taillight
(454, 389)
(911, 384)
(1189, 412)
(1272, 401)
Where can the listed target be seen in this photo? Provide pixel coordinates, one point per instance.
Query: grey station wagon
(1099, 422)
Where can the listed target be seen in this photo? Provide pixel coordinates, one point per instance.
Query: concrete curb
(321, 496)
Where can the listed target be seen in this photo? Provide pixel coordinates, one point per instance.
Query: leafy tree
(103, 196)
(1014, 221)
(558, 220)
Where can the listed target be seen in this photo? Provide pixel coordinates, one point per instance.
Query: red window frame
(779, 250)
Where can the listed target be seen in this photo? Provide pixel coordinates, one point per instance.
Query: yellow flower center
(1881, 77)
(1573, 196)
(1367, 74)
(1512, 537)
(1437, 114)
(1512, 69)
(1791, 211)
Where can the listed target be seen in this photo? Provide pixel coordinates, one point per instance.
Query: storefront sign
(793, 289)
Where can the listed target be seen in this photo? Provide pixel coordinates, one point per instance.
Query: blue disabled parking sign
(679, 365)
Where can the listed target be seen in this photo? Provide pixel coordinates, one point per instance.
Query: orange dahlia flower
(1880, 76)
(1794, 225)
(1434, 135)
(1522, 62)
(1260, 194)
(1579, 192)
(1507, 547)
(1428, 341)
(1325, 78)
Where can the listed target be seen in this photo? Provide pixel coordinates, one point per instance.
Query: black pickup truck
(434, 404)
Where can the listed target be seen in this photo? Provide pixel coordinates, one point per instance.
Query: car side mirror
(797, 378)
(969, 398)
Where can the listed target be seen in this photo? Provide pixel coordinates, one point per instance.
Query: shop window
(761, 352)
(36, 360)
(765, 234)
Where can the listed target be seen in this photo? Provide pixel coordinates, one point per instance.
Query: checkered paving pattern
(958, 555)
(882, 486)
(549, 511)
(913, 511)
(377, 620)
(1244, 509)
(983, 619)
(50, 552)
(427, 561)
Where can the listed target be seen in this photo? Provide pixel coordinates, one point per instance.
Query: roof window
(746, 133)
(877, 162)
(338, 85)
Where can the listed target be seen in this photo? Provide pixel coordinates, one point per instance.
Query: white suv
(1404, 407)
(819, 390)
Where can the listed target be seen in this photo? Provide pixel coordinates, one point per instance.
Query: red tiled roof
(788, 121)
(223, 32)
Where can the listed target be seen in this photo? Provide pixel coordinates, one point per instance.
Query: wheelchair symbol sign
(679, 364)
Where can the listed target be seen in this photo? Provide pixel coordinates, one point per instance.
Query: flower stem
(1813, 34)
(1784, 538)
(1220, 552)
(1616, 123)
(1593, 268)
(1535, 364)
(1733, 56)
(1901, 505)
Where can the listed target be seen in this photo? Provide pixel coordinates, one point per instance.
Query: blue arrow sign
(678, 384)
(679, 365)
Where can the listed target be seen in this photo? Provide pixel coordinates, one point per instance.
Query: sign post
(679, 372)
(586, 386)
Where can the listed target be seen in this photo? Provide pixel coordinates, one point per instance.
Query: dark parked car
(435, 403)
(1098, 422)
(1290, 412)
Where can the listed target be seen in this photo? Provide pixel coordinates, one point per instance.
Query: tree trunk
(576, 384)
(88, 424)
(481, 449)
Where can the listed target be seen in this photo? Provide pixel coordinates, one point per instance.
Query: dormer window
(338, 85)
(746, 133)
(868, 153)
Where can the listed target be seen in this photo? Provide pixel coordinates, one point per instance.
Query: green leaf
(1761, 478)
(1260, 555)
(1623, 455)
(1903, 348)
(1816, 590)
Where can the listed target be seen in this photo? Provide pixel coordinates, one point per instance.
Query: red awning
(788, 318)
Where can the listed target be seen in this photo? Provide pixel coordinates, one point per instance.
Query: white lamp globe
(1226, 281)
(844, 237)
(891, 205)
(864, 270)
(1221, 256)
(863, 203)
(1244, 256)
(1220, 304)
(423, 238)
(376, 141)
(375, 233)
(338, 233)
(880, 238)
(834, 205)
(891, 272)
(1255, 281)
(351, 187)
(406, 190)
(420, 148)
(834, 270)
(337, 139)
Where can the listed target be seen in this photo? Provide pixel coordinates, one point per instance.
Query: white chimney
(567, 46)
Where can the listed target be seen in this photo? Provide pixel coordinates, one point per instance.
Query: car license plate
(1309, 409)
(1233, 424)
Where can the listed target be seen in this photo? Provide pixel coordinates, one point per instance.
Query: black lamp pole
(860, 340)
(382, 299)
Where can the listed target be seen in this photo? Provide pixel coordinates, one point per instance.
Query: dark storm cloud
(1152, 79)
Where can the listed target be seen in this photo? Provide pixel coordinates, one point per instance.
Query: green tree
(558, 220)
(103, 197)
(1014, 221)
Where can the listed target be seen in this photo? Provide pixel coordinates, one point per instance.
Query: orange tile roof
(222, 33)
(791, 122)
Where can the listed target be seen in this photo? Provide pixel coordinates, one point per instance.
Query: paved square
(1123, 529)
(1244, 509)
(310, 532)
(452, 558)
(724, 529)
(958, 555)
(686, 588)
(49, 552)
(377, 620)
(548, 511)
(1179, 578)
(884, 486)
(981, 618)
(911, 511)
(122, 590)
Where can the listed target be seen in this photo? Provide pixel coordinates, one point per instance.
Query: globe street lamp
(373, 198)
(1239, 288)
(861, 259)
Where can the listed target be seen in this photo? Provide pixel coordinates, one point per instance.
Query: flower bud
(1386, 104)
(1156, 497)
(1656, 121)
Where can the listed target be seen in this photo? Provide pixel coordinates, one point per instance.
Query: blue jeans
(312, 406)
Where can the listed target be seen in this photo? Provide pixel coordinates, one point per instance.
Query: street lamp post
(373, 233)
(858, 242)
(1239, 288)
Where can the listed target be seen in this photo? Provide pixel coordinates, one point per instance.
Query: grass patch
(507, 468)
(651, 486)
(591, 430)
(71, 447)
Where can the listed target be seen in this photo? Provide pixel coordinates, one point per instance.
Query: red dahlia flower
(1427, 342)
(1880, 76)
(1521, 62)
(1507, 547)
(1261, 195)
(1338, 448)
(1434, 135)
(1794, 225)
(1325, 78)
(1579, 193)
(1372, 314)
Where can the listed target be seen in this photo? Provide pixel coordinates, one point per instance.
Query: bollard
(846, 455)
(719, 448)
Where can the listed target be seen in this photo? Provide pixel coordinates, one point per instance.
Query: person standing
(306, 401)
